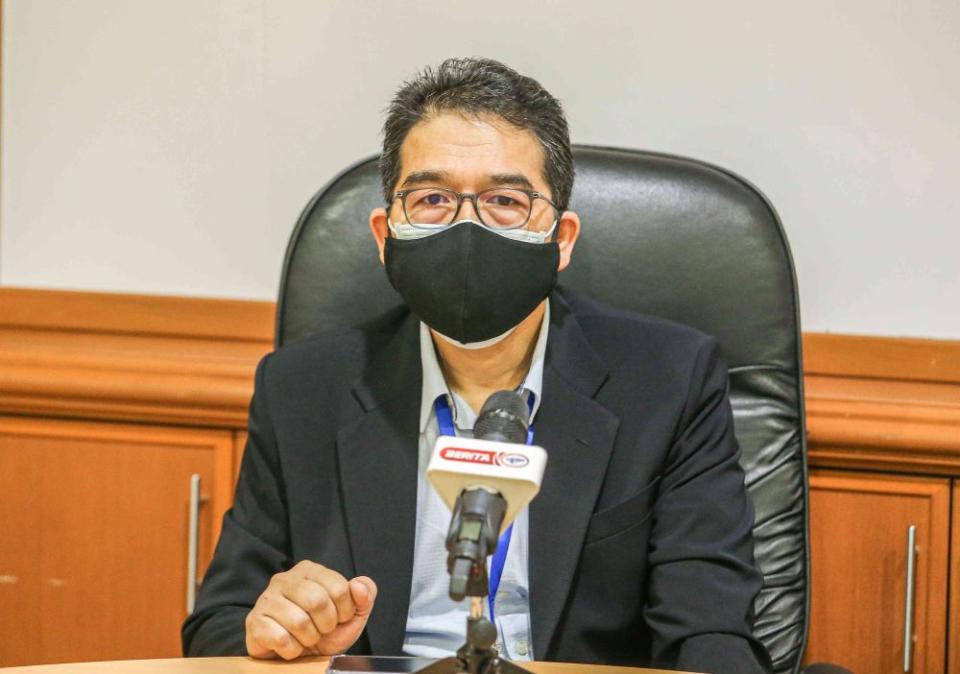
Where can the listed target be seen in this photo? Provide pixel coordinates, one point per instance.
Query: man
(638, 549)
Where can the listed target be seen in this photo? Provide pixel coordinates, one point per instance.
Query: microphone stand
(472, 538)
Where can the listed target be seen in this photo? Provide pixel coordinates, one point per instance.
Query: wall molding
(872, 402)
(171, 360)
(883, 403)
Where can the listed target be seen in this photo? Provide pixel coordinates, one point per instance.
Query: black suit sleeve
(253, 545)
(703, 579)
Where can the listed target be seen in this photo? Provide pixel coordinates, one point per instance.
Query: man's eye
(502, 200)
(428, 198)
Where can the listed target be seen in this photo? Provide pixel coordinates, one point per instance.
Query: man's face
(470, 155)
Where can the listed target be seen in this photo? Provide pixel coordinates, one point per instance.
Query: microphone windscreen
(503, 417)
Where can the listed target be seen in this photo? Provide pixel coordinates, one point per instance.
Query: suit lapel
(378, 472)
(377, 455)
(578, 434)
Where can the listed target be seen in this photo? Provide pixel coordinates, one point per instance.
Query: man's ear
(566, 234)
(378, 225)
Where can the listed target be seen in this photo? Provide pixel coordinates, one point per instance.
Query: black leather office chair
(662, 235)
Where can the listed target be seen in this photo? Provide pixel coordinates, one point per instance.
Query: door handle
(193, 539)
(911, 590)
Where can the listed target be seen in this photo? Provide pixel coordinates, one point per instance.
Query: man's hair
(477, 87)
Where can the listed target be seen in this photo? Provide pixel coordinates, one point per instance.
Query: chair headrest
(662, 235)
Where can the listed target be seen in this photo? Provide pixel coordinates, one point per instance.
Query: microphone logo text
(484, 457)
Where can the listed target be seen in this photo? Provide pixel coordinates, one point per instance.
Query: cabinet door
(94, 523)
(859, 524)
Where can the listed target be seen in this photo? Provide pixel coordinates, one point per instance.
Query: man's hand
(309, 610)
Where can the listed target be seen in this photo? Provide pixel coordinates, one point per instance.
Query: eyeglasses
(497, 208)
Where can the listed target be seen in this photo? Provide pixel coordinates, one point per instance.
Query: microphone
(496, 460)
(503, 418)
(486, 481)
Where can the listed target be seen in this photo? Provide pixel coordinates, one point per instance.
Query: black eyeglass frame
(472, 197)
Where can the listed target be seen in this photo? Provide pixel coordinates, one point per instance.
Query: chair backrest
(662, 235)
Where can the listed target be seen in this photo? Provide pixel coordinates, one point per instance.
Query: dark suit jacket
(640, 539)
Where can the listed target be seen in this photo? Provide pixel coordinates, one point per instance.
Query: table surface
(243, 665)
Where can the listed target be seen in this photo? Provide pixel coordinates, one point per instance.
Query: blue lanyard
(441, 407)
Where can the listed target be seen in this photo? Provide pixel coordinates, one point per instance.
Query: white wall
(167, 147)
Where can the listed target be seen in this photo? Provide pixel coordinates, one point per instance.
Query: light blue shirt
(436, 625)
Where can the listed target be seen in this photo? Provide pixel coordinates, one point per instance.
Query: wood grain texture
(883, 403)
(130, 357)
(302, 666)
(239, 443)
(953, 642)
(872, 402)
(858, 524)
(883, 424)
(121, 313)
(894, 358)
(95, 521)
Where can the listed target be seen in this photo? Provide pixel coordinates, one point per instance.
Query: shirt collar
(434, 384)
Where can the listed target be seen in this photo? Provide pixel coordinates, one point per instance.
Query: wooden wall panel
(897, 358)
(239, 442)
(872, 402)
(143, 315)
(180, 361)
(883, 403)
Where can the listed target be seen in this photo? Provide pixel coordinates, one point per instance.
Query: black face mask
(471, 284)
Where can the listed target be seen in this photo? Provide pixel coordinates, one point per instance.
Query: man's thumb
(364, 593)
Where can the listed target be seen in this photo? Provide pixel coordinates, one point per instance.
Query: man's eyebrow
(441, 178)
(424, 177)
(517, 179)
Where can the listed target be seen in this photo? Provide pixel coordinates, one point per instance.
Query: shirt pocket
(622, 516)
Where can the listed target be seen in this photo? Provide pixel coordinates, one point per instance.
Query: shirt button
(521, 647)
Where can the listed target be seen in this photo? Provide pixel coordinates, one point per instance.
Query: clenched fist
(309, 610)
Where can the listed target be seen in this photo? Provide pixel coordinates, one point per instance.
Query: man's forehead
(453, 147)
